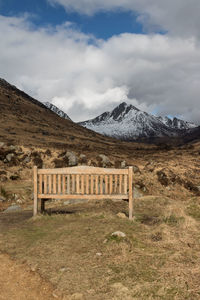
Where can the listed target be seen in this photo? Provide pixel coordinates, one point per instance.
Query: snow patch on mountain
(128, 123)
(56, 110)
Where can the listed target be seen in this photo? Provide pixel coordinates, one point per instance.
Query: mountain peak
(122, 110)
(127, 122)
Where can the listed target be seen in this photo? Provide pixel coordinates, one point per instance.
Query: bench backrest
(83, 182)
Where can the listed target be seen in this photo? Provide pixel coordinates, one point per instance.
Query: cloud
(180, 17)
(86, 77)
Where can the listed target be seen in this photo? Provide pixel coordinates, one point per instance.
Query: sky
(87, 56)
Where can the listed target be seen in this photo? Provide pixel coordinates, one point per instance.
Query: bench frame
(82, 182)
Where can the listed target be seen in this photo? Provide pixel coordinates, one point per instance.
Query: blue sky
(144, 52)
(103, 24)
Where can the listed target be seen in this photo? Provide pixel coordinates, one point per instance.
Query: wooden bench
(83, 182)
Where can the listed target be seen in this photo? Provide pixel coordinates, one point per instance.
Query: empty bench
(83, 182)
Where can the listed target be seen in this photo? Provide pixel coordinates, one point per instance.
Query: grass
(153, 261)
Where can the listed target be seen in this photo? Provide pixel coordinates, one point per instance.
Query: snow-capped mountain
(128, 123)
(56, 110)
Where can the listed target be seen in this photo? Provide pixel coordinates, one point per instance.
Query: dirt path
(17, 282)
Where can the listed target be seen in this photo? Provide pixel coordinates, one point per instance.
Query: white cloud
(84, 79)
(180, 17)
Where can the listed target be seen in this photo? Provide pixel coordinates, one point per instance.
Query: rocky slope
(127, 122)
(56, 110)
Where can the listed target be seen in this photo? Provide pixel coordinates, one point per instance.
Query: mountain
(26, 121)
(127, 122)
(56, 110)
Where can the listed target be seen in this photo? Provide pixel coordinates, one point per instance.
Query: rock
(118, 234)
(2, 199)
(104, 161)
(2, 144)
(121, 215)
(136, 193)
(123, 164)
(13, 208)
(9, 156)
(72, 159)
(162, 178)
(27, 159)
(3, 178)
(13, 148)
(37, 161)
(198, 187)
(14, 177)
(98, 254)
(136, 169)
(82, 159)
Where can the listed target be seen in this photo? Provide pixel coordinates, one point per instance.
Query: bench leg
(42, 205)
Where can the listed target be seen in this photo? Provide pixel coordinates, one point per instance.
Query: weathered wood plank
(101, 184)
(68, 184)
(87, 184)
(125, 197)
(50, 184)
(106, 184)
(59, 184)
(125, 184)
(40, 184)
(96, 185)
(83, 170)
(45, 184)
(92, 184)
(130, 192)
(120, 184)
(82, 184)
(63, 184)
(54, 183)
(110, 184)
(35, 191)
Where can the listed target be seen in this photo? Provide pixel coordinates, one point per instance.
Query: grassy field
(72, 247)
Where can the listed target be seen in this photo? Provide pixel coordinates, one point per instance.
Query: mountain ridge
(127, 122)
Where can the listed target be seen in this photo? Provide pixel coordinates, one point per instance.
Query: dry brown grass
(158, 259)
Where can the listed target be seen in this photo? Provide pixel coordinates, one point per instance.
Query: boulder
(72, 159)
(136, 169)
(9, 156)
(123, 164)
(13, 208)
(104, 161)
(162, 178)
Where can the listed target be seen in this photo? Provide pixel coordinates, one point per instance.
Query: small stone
(119, 234)
(9, 156)
(62, 269)
(2, 199)
(121, 215)
(123, 164)
(19, 201)
(13, 208)
(76, 296)
(27, 159)
(98, 254)
(105, 241)
(2, 144)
